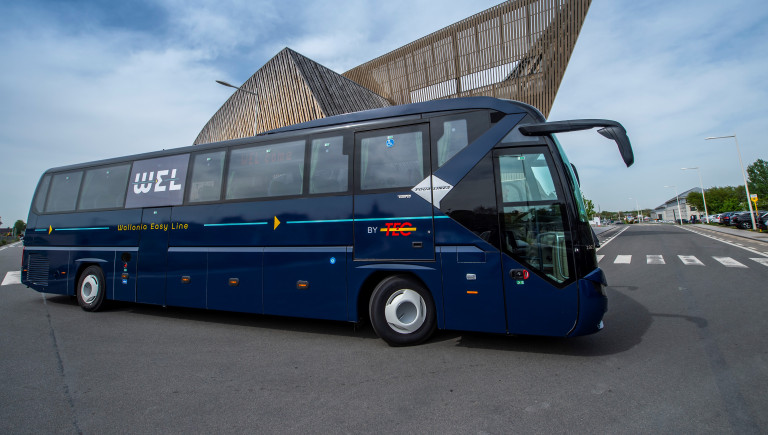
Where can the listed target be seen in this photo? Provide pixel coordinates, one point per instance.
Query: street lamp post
(223, 83)
(706, 213)
(637, 208)
(743, 174)
(679, 213)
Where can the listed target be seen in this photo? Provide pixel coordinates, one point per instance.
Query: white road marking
(655, 259)
(763, 261)
(623, 259)
(608, 240)
(12, 278)
(600, 257)
(729, 262)
(738, 245)
(690, 260)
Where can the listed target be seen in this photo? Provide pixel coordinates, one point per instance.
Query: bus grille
(38, 270)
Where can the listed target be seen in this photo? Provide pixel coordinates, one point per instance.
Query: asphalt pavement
(683, 351)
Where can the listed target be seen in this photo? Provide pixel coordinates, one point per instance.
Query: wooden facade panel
(518, 49)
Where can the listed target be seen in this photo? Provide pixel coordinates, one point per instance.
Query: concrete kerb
(753, 235)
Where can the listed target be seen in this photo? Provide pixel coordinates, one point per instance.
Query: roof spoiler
(610, 129)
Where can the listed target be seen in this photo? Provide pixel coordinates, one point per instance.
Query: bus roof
(434, 106)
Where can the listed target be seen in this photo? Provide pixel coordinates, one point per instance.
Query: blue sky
(86, 80)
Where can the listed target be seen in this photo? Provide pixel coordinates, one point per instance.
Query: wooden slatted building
(517, 50)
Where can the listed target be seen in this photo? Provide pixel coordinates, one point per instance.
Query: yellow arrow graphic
(50, 229)
(277, 222)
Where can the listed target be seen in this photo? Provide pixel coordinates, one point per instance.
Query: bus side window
(392, 158)
(104, 188)
(42, 192)
(207, 170)
(329, 166)
(268, 170)
(64, 189)
(451, 134)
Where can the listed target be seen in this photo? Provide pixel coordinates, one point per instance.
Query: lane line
(729, 262)
(608, 240)
(690, 260)
(754, 251)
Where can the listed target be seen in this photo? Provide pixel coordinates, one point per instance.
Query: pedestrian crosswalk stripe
(600, 257)
(13, 277)
(623, 259)
(763, 261)
(655, 259)
(729, 262)
(690, 260)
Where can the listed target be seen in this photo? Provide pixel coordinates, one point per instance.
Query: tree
(19, 227)
(589, 206)
(723, 199)
(758, 181)
(696, 200)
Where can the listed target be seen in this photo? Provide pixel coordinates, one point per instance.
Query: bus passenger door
(391, 221)
(539, 282)
(153, 253)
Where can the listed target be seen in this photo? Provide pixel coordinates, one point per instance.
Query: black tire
(91, 289)
(411, 309)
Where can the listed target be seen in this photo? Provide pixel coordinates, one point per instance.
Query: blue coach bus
(460, 214)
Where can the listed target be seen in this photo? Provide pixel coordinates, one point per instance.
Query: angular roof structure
(291, 88)
(517, 50)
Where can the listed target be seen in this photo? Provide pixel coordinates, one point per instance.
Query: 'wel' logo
(157, 182)
(145, 185)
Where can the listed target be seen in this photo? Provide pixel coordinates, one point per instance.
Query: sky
(88, 80)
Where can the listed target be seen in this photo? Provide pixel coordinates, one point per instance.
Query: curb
(763, 237)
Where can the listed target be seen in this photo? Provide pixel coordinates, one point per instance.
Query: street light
(706, 213)
(743, 174)
(221, 82)
(679, 213)
(637, 207)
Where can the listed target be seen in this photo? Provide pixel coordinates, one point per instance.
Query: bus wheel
(91, 289)
(402, 312)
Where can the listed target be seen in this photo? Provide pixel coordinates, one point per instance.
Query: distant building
(669, 211)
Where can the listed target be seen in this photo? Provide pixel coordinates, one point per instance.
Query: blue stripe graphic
(237, 224)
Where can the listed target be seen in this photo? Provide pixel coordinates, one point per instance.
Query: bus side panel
(48, 270)
(104, 228)
(235, 279)
(474, 300)
(306, 282)
(427, 272)
(187, 277)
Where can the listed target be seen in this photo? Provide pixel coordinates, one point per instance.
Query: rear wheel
(402, 312)
(91, 289)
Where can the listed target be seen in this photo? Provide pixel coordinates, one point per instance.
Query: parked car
(725, 218)
(743, 220)
(715, 218)
(762, 222)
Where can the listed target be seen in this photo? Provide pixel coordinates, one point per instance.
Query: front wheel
(91, 289)
(402, 312)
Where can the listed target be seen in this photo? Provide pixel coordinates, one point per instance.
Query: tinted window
(392, 158)
(104, 187)
(329, 167)
(534, 234)
(451, 134)
(64, 189)
(207, 170)
(42, 192)
(269, 170)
